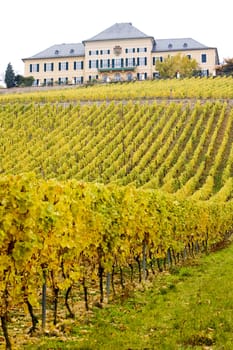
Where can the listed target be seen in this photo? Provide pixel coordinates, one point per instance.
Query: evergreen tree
(9, 76)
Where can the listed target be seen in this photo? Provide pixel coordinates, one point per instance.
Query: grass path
(190, 308)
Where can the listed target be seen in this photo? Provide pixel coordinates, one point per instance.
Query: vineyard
(97, 195)
(194, 88)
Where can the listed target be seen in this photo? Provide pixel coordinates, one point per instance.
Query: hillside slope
(181, 148)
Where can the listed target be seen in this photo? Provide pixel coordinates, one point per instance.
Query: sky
(28, 26)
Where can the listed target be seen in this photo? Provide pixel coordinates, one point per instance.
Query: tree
(20, 80)
(178, 65)
(9, 76)
(28, 81)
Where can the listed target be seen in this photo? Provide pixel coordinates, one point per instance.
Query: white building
(119, 53)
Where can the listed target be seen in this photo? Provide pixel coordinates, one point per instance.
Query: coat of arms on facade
(117, 50)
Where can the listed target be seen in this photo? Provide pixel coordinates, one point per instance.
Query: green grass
(189, 308)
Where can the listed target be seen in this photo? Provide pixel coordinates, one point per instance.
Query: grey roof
(119, 31)
(61, 50)
(163, 45)
(116, 32)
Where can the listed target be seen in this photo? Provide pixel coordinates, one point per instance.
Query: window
(56, 52)
(155, 59)
(141, 76)
(62, 81)
(130, 62)
(48, 81)
(142, 61)
(155, 75)
(63, 65)
(129, 76)
(93, 64)
(93, 77)
(118, 63)
(203, 58)
(78, 65)
(141, 49)
(34, 68)
(130, 50)
(105, 78)
(36, 82)
(189, 56)
(185, 45)
(170, 46)
(117, 77)
(78, 80)
(48, 67)
(104, 63)
(205, 73)
(105, 52)
(93, 52)
(71, 50)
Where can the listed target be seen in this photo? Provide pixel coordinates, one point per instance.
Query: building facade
(119, 53)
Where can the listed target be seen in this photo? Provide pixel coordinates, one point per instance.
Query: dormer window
(185, 45)
(56, 52)
(170, 46)
(71, 50)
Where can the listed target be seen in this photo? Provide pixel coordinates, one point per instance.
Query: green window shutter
(52, 66)
(75, 65)
(38, 67)
(59, 66)
(67, 65)
(204, 58)
(30, 68)
(82, 65)
(45, 68)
